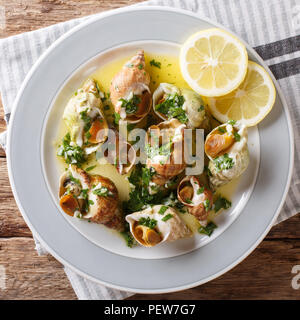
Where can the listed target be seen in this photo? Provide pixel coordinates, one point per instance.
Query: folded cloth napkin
(271, 27)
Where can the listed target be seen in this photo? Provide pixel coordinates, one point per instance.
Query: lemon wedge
(250, 102)
(213, 62)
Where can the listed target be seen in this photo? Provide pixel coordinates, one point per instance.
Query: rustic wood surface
(265, 274)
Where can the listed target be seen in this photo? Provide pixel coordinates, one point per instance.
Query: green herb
(90, 168)
(163, 209)
(76, 181)
(221, 130)
(167, 217)
(201, 108)
(140, 66)
(237, 137)
(87, 120)
(208, 230)
(129, 65)
(221, 203)
(139, 196)
(117, 118)
(223, 162)
(164, 150)
(200, 190)
(91, 202)
(206, 204)
(156, 64)
(207, 170)
(71, 153)
(131, 105)
(232, 122)
(102, 192)
(130, 241)
(147, 222)
(172, 107)
(188, 201)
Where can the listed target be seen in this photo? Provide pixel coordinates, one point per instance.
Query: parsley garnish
(90, 168)
(201, 108)
(72, 154)
(221, 130)
(86, 119)
(208, 230)
(232, 122)
(147, 222)
(131, 105)
(117, 118)
(172, 107)
(206, 204)
(221, 203)
(237, 137)
(223, 162)
(163, 209)
(200, 190)
(156, 64)
(167, 217)
(102, 192)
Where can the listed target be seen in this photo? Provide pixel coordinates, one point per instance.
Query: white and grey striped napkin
(271, 27)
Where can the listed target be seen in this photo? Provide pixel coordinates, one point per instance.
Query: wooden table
(265, 274)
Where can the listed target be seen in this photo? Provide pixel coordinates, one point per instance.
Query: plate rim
(9, 156)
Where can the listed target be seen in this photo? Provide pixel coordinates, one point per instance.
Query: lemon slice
(250, 102)
(213, 62)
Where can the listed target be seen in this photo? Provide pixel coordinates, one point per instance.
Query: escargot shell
(193, 195)
(169, 230)
(193, 105)
(236, 149)
(132, 80)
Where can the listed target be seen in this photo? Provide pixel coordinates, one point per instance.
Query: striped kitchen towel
(271, 27)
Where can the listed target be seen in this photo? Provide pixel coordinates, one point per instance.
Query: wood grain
(265, 274)
(29, 276)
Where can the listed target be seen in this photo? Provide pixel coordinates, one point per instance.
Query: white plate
(99, 254)
(100, 235)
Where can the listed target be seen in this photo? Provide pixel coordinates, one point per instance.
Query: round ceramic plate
(90, 249)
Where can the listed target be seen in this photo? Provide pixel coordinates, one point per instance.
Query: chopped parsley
(172, 107)
(117, 118)
(200, 190)
(201, 108)
(167, 217)
(164, 150)
(147, 222)
(207, 170)
(221, 203)
(72, 153)
(129, 239)
(223, 162)
(86, 119)
(156, 64)
(140, 66)
(163, 209)
(221, 130)
(237, 137)
(102, 192)
(232, 122)
(208, 230)
(139, 196)
(206, 204)
(131, 105)
(90, 168)
(76, 181)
